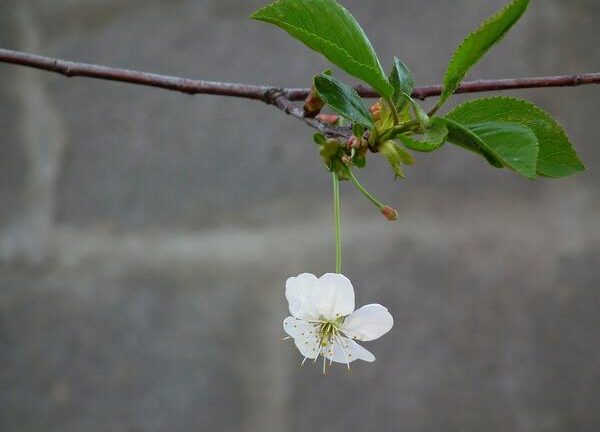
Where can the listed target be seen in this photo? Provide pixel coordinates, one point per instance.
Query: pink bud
(354, 142)
(389, 213)
(376, 111)
(328, 118)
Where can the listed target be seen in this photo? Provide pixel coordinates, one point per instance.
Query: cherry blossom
(323, 321)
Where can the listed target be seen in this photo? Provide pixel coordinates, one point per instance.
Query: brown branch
(189, 86)
(249, 91)
(279, 97)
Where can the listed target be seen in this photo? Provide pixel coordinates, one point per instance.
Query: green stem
(435, 108)
(396, 130)
(362, 189)
(395, 114)
(336, 213)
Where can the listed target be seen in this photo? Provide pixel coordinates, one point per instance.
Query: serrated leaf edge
(447, 92)
(417, 147)
(490, 152)
(533, 107)
(385, 85)
(366, 114)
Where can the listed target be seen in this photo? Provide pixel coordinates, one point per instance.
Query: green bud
(360, 161)
(383, 113)
(405, 157)
(358, 130)
(396, 156)
(328, 150)
(342, 171)
(319, 138)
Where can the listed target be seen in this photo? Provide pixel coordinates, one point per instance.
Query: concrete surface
(145, 236)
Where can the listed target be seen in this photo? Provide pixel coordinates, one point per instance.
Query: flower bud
(328, 118)
(375, 110)
(389, 213)
(313, 104)
(354, 142)
(329, 150)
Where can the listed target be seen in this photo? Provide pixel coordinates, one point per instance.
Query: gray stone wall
(145, 236)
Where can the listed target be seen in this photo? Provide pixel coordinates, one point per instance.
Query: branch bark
(259, 92)
(282, 98)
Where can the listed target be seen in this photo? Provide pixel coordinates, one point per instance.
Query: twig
(279, 97)
(249, 91)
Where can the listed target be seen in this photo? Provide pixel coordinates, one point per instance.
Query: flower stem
(365, 192)
(390, 213)
(336, 213)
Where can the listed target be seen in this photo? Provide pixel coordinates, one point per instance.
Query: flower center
(329, 329)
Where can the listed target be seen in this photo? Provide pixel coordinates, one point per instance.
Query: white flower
(324, 321)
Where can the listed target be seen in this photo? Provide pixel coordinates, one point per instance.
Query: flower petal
(344, 350)
(297, 328)
(333, 296)
(308, 346)
(368, 323)
(299, 293)
(305, 335)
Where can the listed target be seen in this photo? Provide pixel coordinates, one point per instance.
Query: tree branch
(280, 97)
(249, 91)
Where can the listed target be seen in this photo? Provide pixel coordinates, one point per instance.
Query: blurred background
(145, 236)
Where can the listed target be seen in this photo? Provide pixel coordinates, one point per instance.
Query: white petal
(344, 350)
(305, 335)
(368, 323)
(299, 328)
(308, 346)
(299, 293)
(334, 296)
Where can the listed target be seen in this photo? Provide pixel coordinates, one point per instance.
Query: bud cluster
(375, 110)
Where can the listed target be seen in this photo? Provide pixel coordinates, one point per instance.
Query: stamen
(331, 351)
(339, 342)
(319, 352)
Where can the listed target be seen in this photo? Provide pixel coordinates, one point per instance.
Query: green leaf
(402, 81)
(476, 44)
(405, 157)
(514, 144)
(360, 161)
(420, 115)
(343, 99)
(503, 144)
(358, 130)
(396, 156)
(433, 138)
(319, 138)
(556, 157)
(463, 137)
(327, 27)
